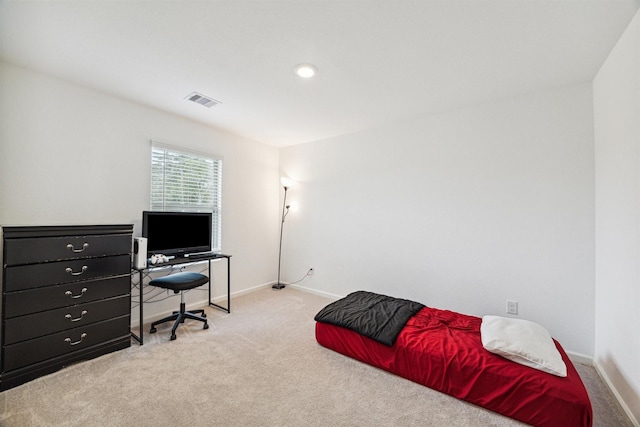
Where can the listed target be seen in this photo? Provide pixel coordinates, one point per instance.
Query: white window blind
(187, 182)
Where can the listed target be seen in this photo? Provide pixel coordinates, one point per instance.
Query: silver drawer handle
(77, 342)
(68, 316)
(71, 272)
(71, 248)
(82, 291)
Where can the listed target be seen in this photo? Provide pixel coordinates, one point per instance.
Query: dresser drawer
(35, 250)
(29, 352)
(50, 273)
(47, 322)
(49, 297)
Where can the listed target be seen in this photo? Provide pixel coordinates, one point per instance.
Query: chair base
(179, 317)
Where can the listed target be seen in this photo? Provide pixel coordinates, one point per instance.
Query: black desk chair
(179, 283)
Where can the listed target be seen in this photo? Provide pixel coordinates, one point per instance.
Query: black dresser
(66, 296)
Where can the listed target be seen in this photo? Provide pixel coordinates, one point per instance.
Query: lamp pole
(285, 211)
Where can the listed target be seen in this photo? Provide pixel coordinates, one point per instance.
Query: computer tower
(139, 252)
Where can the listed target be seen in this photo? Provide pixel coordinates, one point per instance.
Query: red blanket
(442, 350)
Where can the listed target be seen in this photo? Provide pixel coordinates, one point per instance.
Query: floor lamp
(286, 183)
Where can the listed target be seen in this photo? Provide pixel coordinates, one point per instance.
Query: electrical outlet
(512, 307)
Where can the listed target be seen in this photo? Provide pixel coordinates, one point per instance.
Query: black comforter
(375, 316)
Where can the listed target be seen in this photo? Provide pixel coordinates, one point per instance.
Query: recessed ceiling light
(306, 70)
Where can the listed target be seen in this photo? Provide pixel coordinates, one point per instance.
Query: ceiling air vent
(202, 100)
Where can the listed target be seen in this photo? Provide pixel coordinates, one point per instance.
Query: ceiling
(379, 61)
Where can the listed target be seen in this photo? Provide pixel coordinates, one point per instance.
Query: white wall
(461, 211)
(70, 155)
(617, 154)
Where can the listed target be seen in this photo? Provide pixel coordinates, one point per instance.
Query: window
(186, 181)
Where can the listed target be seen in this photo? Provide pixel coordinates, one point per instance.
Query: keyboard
(200, 255)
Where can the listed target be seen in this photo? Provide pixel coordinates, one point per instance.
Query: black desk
(183, 261)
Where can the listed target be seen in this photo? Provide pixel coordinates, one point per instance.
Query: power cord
(307, 274)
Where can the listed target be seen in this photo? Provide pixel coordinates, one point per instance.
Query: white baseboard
(243, 292)
(580, 358)
(587, 360)
(198, 304)
(615, 393)
(317, 292)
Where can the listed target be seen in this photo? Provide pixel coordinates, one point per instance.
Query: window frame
(158, 190)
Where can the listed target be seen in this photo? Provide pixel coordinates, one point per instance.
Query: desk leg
(228, 307)
(209, 282)
(141, 309)
(134, 336)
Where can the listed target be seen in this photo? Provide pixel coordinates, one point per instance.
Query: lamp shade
(287, 182)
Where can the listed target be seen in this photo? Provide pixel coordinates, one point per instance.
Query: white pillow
(523, 342)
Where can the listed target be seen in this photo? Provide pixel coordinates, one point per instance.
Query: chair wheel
(153, 331)
(206, 326)
(173, 337)
(203, 315)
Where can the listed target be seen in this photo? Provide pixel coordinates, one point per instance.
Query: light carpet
(258, 366)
